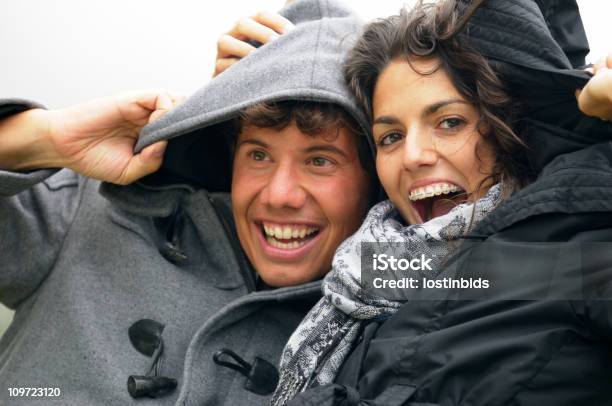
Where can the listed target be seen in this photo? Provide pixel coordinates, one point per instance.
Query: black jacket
(501, 352)
(513, 352)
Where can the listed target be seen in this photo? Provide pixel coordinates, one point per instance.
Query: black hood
(538, 49)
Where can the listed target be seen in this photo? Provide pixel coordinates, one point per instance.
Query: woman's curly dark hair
(433, 30)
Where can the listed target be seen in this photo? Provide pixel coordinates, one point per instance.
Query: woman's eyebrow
(432, 108)
(390, 120)
(429, 110)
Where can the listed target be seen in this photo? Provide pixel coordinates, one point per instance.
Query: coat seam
(316, 50)
(60, 248)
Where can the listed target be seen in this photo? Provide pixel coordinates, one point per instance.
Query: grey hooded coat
(82, 261)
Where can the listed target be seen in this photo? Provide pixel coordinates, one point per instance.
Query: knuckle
(219, 64)
(223, 43)
(223, 39)
(219, 47)
(262, 15)
(242, 24)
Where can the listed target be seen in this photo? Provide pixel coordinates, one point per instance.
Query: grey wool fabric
(303, 64)
(82, 261)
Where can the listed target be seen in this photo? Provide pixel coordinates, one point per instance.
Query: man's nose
(284, 189)
(419, 150)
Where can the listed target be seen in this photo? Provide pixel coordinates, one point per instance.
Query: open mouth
(288, 236)
(436, 199)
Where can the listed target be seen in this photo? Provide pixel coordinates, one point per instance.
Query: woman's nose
(419, 150)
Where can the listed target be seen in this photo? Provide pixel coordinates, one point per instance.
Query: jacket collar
(577, 182)
(137, 198)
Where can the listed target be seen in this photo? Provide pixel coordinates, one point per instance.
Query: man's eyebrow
(326, 148)
(432, 108)
(252, 141)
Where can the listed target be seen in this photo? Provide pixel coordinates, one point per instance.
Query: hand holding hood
(304, 64)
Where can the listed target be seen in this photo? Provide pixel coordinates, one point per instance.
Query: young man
(149, 283)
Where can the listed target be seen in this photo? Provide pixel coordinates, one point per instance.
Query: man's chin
(278, 276)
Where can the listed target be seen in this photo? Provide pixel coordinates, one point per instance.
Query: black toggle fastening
(172, 254)
(151, 386)
(146, 336)
(171, 248)
(262, 376)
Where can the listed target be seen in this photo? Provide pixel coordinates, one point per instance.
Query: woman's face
(426, 140)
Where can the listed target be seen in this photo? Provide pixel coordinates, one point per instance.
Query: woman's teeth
(433, 190)
(276, 233)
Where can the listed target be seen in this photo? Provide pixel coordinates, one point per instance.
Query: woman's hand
(263, 27)
(95, 138)
(595, 99)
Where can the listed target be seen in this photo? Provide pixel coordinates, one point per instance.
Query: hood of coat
(577, 183)
(304, 64)
(538, 49)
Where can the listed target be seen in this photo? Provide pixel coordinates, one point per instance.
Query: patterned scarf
(318, 347)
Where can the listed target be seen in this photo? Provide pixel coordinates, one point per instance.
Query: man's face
(295, 198)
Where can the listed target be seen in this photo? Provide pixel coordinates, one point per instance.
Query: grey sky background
(59, 52)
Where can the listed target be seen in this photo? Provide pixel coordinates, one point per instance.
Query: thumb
(163, 104)
(144, 163)
(577, 94)
(582, 101)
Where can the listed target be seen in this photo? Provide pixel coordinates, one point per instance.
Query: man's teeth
(286, 246)
(287, 232)
(433, 190)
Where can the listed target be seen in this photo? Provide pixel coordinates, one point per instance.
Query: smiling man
(291, 160)
(181, 288)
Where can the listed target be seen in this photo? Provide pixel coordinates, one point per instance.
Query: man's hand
(95, 138)
(263, 27)
(595, 99)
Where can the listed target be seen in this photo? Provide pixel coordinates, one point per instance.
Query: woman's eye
(258, 155)
(319, 161)
(389, 139)
(451, 123)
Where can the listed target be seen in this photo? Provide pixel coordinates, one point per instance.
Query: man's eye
(390, 138)
(451, 123)
(258, 155)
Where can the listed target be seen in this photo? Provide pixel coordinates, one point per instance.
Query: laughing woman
(456, 163)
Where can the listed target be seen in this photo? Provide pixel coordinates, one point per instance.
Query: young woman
(454, 162)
